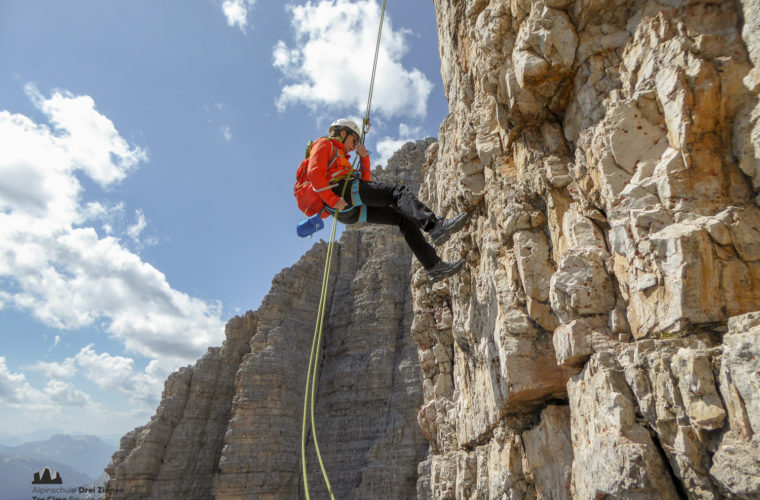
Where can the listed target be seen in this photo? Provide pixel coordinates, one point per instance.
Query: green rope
(311, 377)
(365, 123)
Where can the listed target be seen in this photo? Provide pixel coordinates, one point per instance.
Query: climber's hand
(361, 150)
(341, 204)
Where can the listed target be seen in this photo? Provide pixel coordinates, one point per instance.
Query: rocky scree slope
(603, 340)
(229, 427)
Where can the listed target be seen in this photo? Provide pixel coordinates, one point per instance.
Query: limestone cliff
(603, 340)
(230, 426)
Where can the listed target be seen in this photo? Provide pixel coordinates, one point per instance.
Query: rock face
(229, 427)
(602, 341)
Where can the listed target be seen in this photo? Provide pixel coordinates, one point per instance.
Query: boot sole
(446, 236)
(451, 272)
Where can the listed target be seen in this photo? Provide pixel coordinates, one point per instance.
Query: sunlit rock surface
(597, 343)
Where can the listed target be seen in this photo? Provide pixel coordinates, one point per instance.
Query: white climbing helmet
(346, 124)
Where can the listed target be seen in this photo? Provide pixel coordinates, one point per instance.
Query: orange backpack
(309, 201)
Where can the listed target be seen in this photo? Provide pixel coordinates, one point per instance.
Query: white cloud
(56, 341)
(217, 118)
(331, 63)
(283, 56)
(236, 12)
(387, 146)
(89, 139)
(136, 230)
(111, 373)
(226, 132)
(64, 393)
(15, 390)
(114, 374)
(118, 373)
(59, 269)
(58, 371)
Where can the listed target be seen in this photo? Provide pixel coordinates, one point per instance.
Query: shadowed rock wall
(230, 426)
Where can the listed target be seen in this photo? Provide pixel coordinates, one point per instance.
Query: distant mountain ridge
(87, 455)
(17, 439)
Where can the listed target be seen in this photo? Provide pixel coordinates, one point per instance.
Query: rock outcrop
(602, 341)
(230, 426)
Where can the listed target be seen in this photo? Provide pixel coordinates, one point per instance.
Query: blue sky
(147, 156)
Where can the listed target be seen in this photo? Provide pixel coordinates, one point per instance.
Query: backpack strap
(333, 155)
(338, 176)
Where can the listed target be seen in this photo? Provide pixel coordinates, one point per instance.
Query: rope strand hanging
(311, 377)
(365, 123)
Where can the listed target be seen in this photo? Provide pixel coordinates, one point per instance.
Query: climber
(377, 202)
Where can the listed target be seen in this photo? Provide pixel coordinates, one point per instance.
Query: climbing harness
(311, 376)
(314, 223)
(356, 201)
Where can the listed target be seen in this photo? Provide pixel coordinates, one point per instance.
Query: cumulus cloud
(110, 373)
(236, 12)
(330, 63)
(56, 266)
(64, 393)
(91, 141)
(57, 370)
(386, 146)
(117, 373)
(16, 391)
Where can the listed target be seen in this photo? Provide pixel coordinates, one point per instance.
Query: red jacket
(322, 177)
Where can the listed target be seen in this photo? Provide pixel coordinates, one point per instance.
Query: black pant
(394, 205)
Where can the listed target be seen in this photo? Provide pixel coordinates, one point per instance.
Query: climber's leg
(424, 252)
(400, 199)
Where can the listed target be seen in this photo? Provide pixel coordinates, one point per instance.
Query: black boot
(444, 228)
(443, 270)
